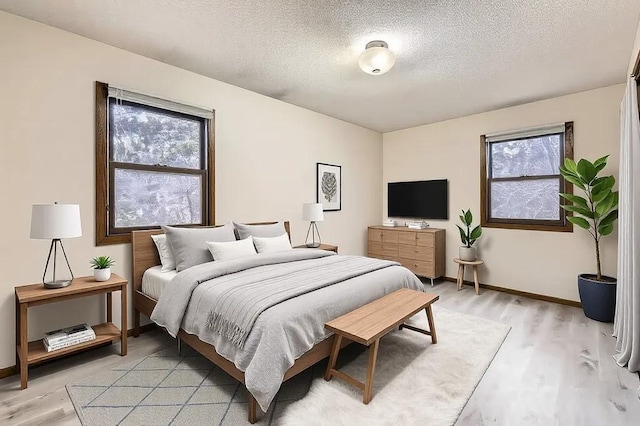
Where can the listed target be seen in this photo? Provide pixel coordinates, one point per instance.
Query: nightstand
(35, 294)
(327, 247)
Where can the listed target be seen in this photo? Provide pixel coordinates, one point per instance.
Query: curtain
(627, 319)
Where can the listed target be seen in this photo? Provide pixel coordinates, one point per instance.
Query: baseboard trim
(10, 371)
(526, 294)
(143, 329)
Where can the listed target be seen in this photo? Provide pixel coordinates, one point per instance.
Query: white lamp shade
(376, 60)
(312, 212)
(55, 221)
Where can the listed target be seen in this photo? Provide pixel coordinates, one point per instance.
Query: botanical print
(328, 186)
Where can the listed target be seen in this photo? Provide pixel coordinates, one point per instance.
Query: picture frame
(329, 186)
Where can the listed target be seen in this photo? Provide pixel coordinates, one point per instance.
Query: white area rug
(415, 381)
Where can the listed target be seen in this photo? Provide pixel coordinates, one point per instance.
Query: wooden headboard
(145, 255)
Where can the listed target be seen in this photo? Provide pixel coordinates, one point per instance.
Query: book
(66, 344)
(69, 333)
(417, 225)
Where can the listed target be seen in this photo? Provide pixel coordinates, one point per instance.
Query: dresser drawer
(415, 252)
(375, 235)
(380, 256)
(421, 268)
(383, 249)
(425, 239)
(389, 236)
(408, 238)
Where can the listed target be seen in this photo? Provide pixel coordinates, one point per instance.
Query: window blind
(127, 95)
(526, 133)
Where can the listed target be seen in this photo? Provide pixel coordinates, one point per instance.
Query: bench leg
(432, 324)
(337, 341)
(371, 368)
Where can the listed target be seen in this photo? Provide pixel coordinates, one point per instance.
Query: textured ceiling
(454, 58)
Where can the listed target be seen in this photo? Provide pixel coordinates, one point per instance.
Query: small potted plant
(468, 237)
(102, 267)
(596, 212)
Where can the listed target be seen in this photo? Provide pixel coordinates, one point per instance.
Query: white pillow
(232, 249)
(269, 245)
(164, 251)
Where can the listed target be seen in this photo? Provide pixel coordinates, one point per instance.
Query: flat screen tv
(425, 199)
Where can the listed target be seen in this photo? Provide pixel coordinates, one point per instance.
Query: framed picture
(329, 186)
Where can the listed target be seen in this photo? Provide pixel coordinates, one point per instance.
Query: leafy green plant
(101, 262)
(468, 236)
(598, 210)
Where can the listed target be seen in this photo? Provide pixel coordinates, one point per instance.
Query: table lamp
(54, 222)
(313, 213)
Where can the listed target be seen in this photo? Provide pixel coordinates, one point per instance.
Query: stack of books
(417, 225)
(66, 337)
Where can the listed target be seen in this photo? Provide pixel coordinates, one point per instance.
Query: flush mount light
(377, 58)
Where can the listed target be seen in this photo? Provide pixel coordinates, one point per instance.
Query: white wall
(634, 52)
(266, 154)
(534, 261)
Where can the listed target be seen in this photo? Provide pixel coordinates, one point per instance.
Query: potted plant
(102, 267)
(467, 252)
(596, 212)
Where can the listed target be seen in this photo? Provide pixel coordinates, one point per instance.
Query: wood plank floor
(554, 368)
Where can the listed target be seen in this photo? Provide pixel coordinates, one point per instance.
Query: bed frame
(145, 256)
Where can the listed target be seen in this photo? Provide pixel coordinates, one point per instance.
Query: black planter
(598, 298)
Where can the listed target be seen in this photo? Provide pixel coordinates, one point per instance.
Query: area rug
(416, 382)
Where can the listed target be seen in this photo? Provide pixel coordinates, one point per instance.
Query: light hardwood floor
(554, 368)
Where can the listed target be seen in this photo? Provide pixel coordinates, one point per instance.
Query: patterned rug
(415, 382)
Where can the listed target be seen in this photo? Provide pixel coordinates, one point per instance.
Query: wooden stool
(461, 265)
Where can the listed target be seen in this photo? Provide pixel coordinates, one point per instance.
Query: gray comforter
(284, 331)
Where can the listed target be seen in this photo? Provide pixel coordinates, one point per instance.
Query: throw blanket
(174, 300)
(238, 302)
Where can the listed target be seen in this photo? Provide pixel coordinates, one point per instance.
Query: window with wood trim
(154, 164)
(520, 178)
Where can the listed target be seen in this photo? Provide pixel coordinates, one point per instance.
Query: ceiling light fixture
(377, 58)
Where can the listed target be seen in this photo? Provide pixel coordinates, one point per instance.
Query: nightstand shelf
(105, 333)
(29, 353)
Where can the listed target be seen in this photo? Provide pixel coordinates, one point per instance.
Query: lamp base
(57, 284)
(313, 229)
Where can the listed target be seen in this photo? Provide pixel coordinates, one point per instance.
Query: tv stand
(420, 250)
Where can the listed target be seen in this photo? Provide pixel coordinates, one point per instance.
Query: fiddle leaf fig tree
(598, 209)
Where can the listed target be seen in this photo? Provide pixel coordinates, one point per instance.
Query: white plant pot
(467, 253)
(102, 274)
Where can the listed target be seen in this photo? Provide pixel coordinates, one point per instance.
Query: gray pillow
(262, 231)
(188, 244)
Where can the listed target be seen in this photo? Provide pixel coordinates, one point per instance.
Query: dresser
(420, 250)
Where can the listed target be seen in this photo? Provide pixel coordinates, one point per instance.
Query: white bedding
(154, 281)
(283, 332)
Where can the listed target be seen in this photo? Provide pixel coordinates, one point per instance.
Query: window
(154, 164)
(521, 181)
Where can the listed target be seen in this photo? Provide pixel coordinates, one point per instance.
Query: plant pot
(102, 274)
(598, 297)
(467, 253)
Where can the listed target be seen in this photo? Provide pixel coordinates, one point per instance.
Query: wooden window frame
(562, 225)
(106, 232)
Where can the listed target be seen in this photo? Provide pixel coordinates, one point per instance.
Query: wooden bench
(367, 324)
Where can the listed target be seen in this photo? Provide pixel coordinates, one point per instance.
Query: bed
(291, 343)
